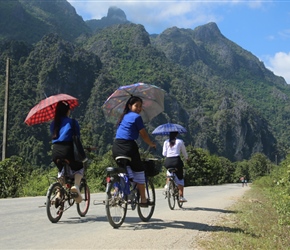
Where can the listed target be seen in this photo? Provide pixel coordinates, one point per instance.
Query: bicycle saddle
(123, 161)
(116, 170)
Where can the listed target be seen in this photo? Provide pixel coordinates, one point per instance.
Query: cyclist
(172, 148)
(62, 146)
(129, 127)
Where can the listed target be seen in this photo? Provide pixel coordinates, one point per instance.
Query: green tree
(259, 165)
(242, 169)
(14, 173)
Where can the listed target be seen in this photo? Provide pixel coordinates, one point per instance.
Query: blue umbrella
(165, 129)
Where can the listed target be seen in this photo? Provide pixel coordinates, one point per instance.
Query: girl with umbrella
(130, 126)
(62, 145)
(172, 148)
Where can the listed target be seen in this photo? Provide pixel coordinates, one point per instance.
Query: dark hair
(172, 138)
(131, 101)
(61, 110)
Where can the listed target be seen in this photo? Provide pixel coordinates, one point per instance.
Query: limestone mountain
(30, 20)
(225, 97)
(114, 16)
(225, 124)
(204, 52)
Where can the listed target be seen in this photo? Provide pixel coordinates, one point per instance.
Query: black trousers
(128, 148)
(64, 150)
(175, 162)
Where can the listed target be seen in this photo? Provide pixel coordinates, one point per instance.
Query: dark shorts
(175, 162)
(128, 148)
(64, 150)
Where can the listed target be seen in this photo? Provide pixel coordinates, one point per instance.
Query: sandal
(146, 204)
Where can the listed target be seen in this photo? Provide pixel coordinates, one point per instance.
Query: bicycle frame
(120, 192)
(60, 198)
(172, 194)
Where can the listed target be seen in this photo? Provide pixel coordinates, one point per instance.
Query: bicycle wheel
(171, 195)
(179, 203)
(145, 213)
(83, 207)
(54, 205)
(116, 204)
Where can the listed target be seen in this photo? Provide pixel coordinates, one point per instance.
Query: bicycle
(172, 192)
(55, 206)
(121, 192)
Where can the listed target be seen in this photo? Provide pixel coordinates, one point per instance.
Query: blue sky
(261, 27)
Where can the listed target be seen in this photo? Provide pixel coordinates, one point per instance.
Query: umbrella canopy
(151, 95)
(44, 111)
(165, 129)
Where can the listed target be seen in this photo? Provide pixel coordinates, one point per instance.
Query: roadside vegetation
(261, 219)
(19, 178)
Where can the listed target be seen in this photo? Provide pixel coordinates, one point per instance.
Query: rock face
(115, 13)
(30, 20)
(114, 16)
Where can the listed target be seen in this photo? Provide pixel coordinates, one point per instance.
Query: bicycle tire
(54, 208)
(171, 194)
(145, 213)
(116, 204)
(83, 207)
(179, 203)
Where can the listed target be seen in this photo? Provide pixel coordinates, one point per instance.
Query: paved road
(24, 223)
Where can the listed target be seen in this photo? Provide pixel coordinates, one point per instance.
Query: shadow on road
(79, 220)
(134, 223)
(209, 209)
(157, 224)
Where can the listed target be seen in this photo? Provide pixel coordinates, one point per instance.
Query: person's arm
(146, 138)
(164, 150)
(184, 152)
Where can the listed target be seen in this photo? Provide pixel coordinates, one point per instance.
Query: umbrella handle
(150, 149)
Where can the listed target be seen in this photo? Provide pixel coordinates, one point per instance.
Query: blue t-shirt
(65, 132)
(130, 126)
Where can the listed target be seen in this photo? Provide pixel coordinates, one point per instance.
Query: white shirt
(175, 150)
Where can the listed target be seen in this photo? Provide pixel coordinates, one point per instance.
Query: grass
(253, 225)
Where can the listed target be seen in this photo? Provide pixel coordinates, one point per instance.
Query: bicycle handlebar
(151, 150)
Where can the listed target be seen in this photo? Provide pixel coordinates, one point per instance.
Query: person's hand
(152, 145)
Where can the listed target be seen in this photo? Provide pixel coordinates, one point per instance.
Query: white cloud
(280, 65)
(156, 16)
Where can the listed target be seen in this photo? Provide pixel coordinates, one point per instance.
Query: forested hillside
(229, 102)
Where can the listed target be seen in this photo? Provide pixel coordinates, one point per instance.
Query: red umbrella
(44, 111)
